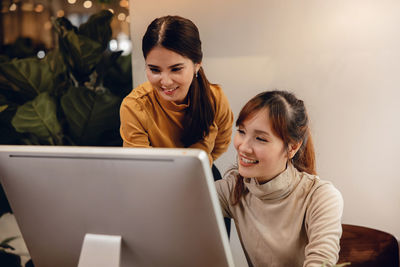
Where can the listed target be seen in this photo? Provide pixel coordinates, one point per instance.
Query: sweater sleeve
(224, 188)
(323, 226)
(133, 128)
(223, 123)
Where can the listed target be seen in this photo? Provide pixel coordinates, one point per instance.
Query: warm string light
(124, 3)
(13, 7)
(26, 7)
(39, 8)
(113, 45)
(60, 13)
(122, 42)
(41, 54)
(87, 4)
(121, 16)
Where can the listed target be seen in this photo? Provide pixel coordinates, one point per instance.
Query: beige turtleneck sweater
(147, 120)
(293, 220)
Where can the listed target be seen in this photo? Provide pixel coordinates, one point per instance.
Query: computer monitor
(161, 202)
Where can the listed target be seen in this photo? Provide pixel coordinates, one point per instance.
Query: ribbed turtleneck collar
(170, 105)
(277, 188)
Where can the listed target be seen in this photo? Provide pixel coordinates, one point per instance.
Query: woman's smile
(247, 162)
(169, 91)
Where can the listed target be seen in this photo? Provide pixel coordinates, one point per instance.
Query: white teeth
(168, 90)
(248, 160)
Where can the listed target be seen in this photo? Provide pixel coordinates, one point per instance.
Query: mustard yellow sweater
(147, 120)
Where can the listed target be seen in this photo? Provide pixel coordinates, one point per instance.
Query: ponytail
(200, 114)
(304, 160)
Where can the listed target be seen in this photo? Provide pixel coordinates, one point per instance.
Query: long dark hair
(182, 36)
(290, 122)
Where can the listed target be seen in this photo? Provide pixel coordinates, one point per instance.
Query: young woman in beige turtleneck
(285, 215)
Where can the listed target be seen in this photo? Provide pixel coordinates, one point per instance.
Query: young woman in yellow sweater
(285, 215)
(177, 106)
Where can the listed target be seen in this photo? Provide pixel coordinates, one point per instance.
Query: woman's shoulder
(221, 101)
(320, 189)
(230, 177)
(231, 174)
(141, 92)
(216, 90)
(227, 183)
(140, 97)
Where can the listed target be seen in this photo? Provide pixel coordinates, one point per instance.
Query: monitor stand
(100, 250)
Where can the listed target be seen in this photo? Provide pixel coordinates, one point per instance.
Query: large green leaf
(39, 118)
(12, 92)
(118, 78)
(3, 107)
(65, 23)
(81, 53)
(54, 60)
(30, 75)
(98, 28)
(90, 114)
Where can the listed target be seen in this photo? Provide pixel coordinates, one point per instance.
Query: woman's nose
(165, 79)
(245, 146)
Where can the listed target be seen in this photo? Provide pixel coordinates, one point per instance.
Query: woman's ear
(197, 67)
(293, 148)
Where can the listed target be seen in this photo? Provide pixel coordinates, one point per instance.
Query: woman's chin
(244, 173)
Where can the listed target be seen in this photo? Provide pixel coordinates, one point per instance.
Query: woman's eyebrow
(262, 132)
(170, 67)
(176, 65)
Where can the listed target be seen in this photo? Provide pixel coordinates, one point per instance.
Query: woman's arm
(223, 123)
(133, 125)
(224, 187)
(323, 226)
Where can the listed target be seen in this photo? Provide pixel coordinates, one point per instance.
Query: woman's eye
(176, 69)
(261, 139)
(240, 131)
(155, 70)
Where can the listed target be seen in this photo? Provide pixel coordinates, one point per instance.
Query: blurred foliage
(72, 96)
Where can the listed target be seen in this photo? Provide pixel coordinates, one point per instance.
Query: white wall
(342, 57)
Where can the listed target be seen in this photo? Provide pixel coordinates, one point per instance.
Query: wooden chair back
(367, 247)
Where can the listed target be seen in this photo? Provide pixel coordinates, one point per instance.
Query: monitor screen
(161, 202)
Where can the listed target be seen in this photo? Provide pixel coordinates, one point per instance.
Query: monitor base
(100, 250)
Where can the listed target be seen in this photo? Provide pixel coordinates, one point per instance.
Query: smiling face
(170, 73)
(261, 153)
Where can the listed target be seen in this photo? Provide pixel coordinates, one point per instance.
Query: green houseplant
(71, 97)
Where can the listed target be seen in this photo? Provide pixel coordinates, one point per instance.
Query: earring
(196, 74)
